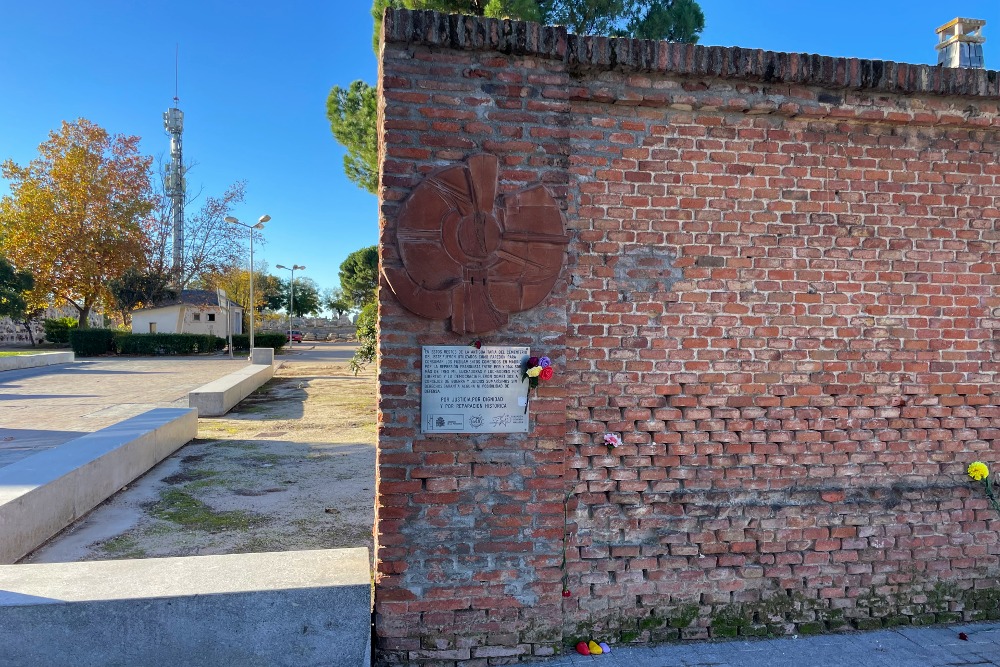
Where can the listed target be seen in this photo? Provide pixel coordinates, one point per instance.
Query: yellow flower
(534, 371)
(978, 470)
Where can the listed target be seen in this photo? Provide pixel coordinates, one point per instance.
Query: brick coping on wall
(454, 31)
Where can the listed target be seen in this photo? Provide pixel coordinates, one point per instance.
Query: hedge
(92, 342)
(57, 330)
(167, 343)
(275, 340)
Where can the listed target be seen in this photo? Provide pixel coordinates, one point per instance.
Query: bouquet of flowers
(981, 473)
(535, 370)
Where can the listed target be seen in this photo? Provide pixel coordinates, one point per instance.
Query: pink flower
(612, 440)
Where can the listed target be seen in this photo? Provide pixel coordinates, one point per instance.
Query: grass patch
(205, 483)
(185, 510)
(123, 546)
(238, 444)
(189, 476)
(265, 458)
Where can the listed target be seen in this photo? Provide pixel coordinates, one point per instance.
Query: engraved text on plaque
(465, 390)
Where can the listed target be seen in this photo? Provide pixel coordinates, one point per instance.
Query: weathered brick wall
(782, 293)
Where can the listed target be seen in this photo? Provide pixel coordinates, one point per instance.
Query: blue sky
(254, 77)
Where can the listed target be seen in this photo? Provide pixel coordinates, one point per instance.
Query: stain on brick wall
(781, 292)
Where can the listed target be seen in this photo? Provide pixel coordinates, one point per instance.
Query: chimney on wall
(960, 43)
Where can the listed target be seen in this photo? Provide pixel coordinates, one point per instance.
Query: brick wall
(781, 292)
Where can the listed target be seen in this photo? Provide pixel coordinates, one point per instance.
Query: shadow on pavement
(32, 397)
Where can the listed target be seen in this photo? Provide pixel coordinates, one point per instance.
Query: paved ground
(319, 352)
(904, 647)
(44, 407)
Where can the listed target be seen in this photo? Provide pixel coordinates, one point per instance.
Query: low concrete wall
(297, 608)
(262, 355)
(43, 493)
(20, 361)
(219, 396)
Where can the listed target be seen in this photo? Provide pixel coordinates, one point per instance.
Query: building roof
(193, 297)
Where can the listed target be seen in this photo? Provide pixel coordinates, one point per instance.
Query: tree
(367, 333)
(359, 276)
(15, 287)
(210, 243)
(236, 283)
(137, 289)
(674, 20)
(307, 299)
(274, 292)
(353, 114)
(334, 300)
(73, 218)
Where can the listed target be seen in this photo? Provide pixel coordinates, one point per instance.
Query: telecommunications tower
(174, 181)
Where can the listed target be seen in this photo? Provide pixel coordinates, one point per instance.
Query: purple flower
(544, 362)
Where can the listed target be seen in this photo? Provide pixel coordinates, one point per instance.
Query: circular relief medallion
(469, 254)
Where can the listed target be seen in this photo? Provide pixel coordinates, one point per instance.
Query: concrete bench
(219, 396)
(296, 608)
(19, 361)
(45, 492)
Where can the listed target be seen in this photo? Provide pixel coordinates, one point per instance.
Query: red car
(296, 337)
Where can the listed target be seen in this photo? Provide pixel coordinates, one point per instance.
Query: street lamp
(260, 225)
(291, 296)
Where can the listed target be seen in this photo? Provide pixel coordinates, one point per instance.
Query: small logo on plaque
(439, 422)
(476, 421)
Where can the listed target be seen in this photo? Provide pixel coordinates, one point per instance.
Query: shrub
(92, 342)
(367, 324)
(275, 340)
(167, 343)
(57, 330)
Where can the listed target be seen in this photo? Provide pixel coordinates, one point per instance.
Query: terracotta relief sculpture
(471, 255)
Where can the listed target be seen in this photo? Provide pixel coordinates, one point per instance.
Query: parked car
(296, 337)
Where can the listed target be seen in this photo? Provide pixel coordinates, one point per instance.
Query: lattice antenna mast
(174, 181)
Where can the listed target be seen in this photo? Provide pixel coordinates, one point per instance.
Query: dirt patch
(305, 479)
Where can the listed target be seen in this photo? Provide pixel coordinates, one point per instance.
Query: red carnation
(546, 373)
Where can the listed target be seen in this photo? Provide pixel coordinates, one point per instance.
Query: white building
(193, 311)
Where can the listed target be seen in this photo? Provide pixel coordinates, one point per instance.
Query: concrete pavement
(318, 352)
(41, 408)
(938, 646)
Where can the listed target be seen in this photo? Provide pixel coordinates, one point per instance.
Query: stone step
(295, 609)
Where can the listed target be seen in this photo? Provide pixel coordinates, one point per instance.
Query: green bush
(167, 343)
(57, 330)
(367, 331)
(275, 340)
(92, 342)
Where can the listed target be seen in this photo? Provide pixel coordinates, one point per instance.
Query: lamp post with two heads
(291, 296)
(260, 225)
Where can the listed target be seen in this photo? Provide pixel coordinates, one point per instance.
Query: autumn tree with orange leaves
(74, 217)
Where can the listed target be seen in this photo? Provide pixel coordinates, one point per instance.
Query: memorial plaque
(465, 390)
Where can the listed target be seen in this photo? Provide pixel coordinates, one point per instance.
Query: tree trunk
(26, 322)
(84, 316)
